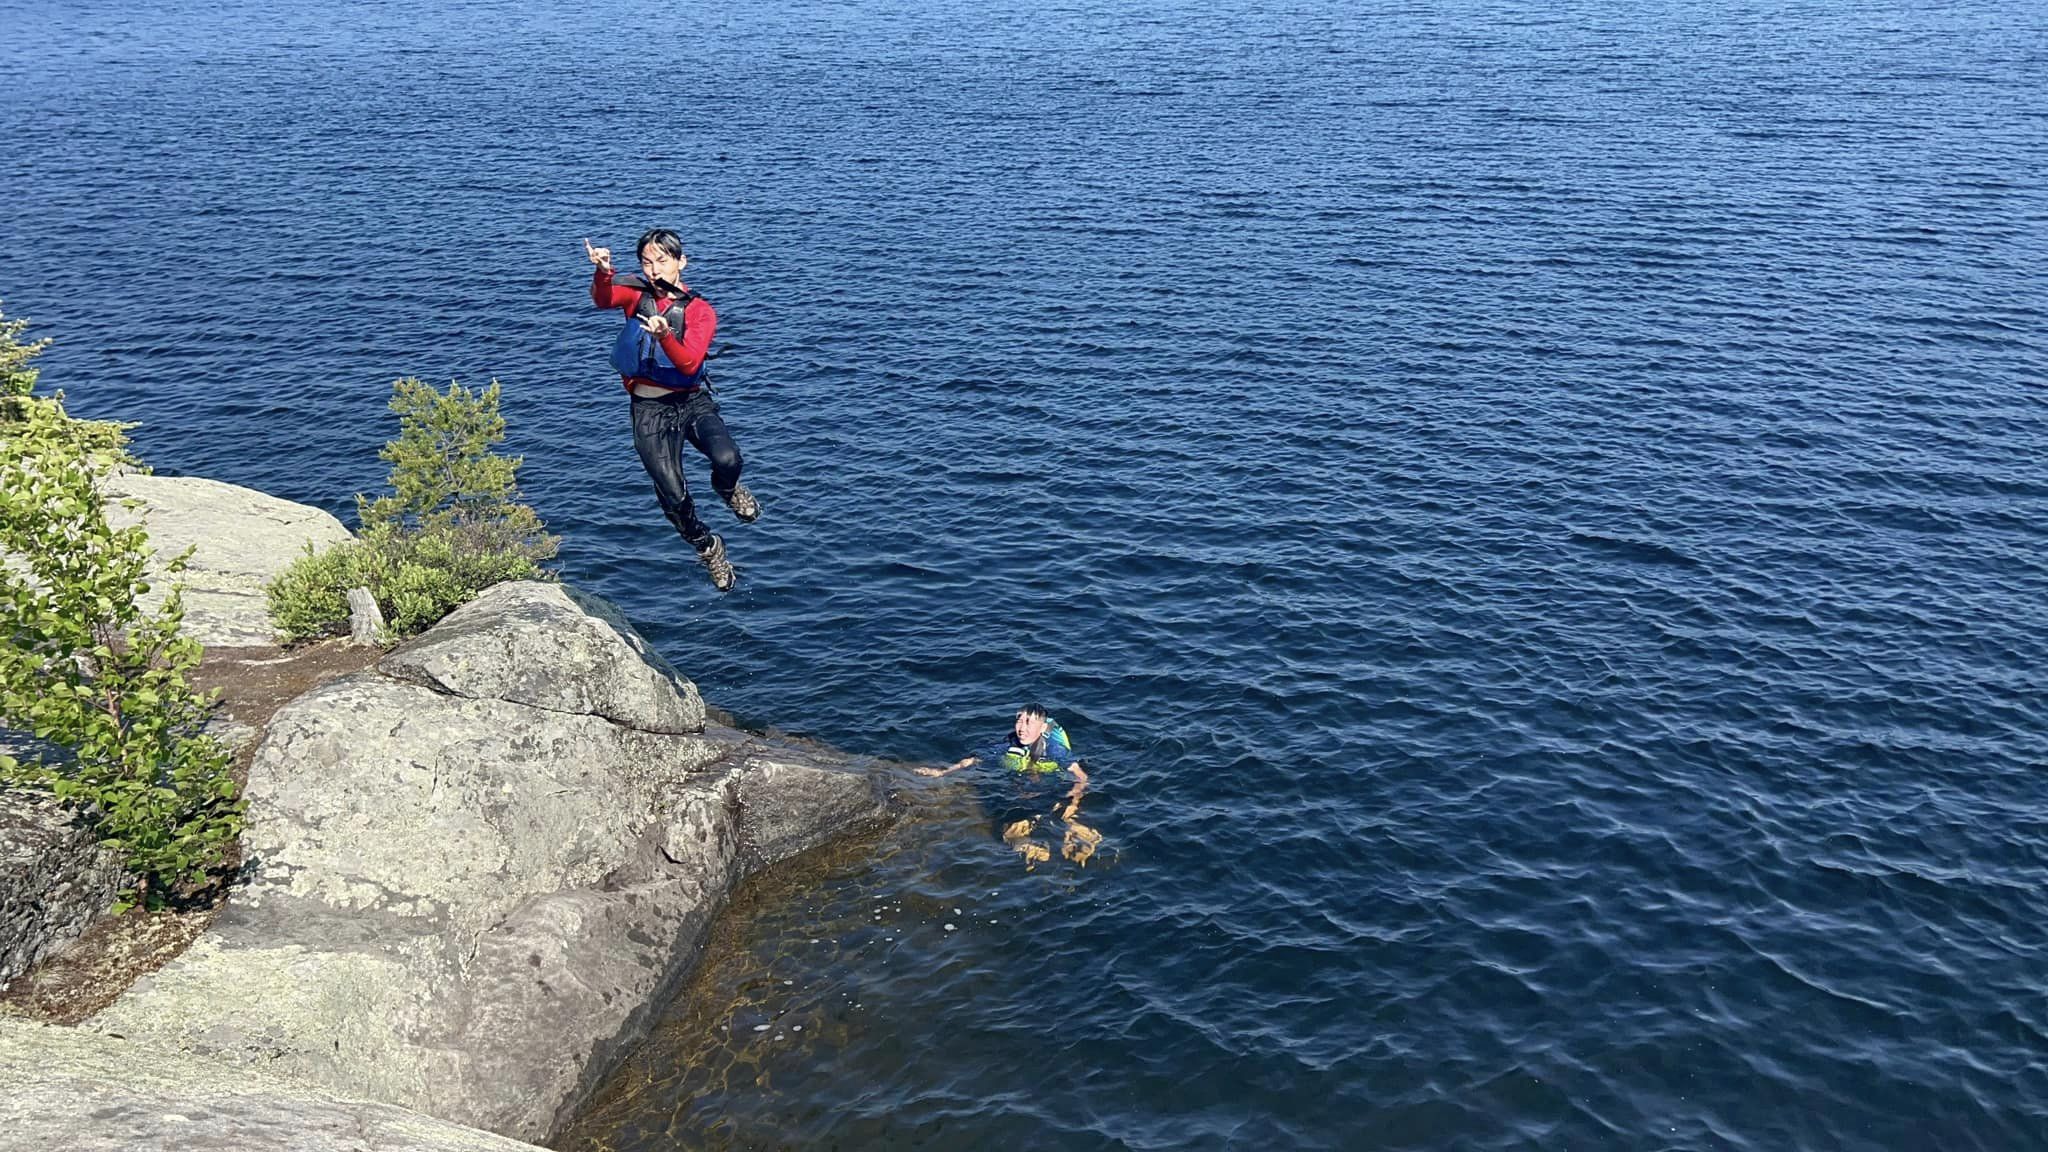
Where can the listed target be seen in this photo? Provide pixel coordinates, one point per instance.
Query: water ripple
(1532, 513)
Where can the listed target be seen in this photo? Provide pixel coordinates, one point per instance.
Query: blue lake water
(1534, 512)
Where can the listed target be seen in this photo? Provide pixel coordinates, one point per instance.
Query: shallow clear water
(1534, 513)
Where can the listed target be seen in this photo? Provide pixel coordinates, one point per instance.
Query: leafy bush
(451, 526)
(17, 378)
(312, 594)
(85, 666)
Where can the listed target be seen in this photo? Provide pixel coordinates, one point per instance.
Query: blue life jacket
(638, 353)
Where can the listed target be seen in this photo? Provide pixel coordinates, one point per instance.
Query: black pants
(660, 428)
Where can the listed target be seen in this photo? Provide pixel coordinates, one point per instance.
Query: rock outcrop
(83, 1092)
(55, 879)
(550, 647)
(480, 869)
(241, 539)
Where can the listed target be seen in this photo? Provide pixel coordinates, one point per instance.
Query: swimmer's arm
(603, 292)
(1073, 804)
(955, 766)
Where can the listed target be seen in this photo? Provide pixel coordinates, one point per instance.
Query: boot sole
(746, 517)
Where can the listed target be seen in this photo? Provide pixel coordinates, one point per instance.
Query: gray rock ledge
(550, 647)
(480, 871)
(242, 539)
(83, 1092)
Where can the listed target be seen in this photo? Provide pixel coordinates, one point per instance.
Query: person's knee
(726, 461)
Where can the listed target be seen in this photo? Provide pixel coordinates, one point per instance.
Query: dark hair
(1036, 711)
(662, 238)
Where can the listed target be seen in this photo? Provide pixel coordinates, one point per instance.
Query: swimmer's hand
(656, 325)
(948, 770)
(602, 257)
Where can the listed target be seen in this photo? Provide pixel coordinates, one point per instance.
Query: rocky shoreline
(475, 872)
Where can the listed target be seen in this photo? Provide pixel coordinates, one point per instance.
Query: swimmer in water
(1037, 760)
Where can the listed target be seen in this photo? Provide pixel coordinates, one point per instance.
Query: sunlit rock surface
(478, 870)
(87, 1092)
(240, 538)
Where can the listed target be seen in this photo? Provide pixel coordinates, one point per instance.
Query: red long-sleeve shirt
(685, 349)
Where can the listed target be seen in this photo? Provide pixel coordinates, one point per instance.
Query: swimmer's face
(1029, 727)
(659, 265)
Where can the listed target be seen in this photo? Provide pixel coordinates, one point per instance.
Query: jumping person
(660, 357)
(1037, 760)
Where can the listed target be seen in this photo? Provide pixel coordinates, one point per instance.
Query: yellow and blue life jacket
(1048, 753)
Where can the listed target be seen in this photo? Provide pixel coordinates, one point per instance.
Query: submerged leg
(1080, 842)
(1018, 837)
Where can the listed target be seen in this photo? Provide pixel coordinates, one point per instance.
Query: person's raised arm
(603, 292)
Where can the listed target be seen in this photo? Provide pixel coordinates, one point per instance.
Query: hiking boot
(743, 504)
(713, 556)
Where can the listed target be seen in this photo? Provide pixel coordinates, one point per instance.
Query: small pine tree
(443, 471)
(451, 526)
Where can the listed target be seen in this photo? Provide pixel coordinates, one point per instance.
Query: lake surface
(1534, 514)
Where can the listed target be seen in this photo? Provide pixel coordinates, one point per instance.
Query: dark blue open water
(1535, 511)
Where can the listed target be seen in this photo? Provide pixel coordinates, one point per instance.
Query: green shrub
(311, 595)
(451, 526)
(423, 593)
(17, 377)
(85, 666)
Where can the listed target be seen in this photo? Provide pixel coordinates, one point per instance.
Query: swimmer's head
(661, 255)
(1030, 723)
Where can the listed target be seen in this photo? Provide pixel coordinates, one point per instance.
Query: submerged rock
(477, 872)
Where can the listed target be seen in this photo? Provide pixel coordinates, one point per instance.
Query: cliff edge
(475, 872)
